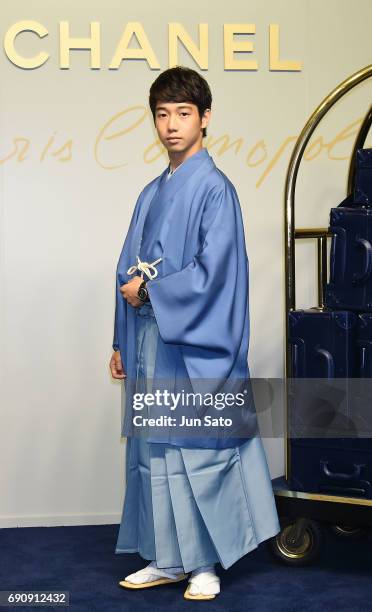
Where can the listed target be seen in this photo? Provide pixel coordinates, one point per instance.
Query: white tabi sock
(151, 572)
(204, 581)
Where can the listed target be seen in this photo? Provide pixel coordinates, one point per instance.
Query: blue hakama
(192, 507)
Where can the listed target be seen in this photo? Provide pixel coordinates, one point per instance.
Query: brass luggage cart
(304, 516)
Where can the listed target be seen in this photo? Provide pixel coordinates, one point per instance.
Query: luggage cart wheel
(347, 531)
(298, 543)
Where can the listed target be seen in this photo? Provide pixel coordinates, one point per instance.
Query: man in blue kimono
(190, 502)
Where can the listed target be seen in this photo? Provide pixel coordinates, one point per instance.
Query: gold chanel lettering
(234, 50)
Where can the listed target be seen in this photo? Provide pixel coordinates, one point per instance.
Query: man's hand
(130, 289)
(116, 366)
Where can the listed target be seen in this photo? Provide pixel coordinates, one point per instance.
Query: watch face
(142, 293)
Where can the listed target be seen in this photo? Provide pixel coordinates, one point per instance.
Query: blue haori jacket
(199, 297)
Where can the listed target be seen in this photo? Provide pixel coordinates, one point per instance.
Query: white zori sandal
(151, 576)
(203, 584)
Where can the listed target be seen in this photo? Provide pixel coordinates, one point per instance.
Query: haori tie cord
(148, 268)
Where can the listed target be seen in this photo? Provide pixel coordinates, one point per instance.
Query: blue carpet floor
(81, 560)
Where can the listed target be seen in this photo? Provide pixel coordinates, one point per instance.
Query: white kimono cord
(145, 267)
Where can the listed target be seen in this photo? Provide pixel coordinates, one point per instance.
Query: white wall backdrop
(64, 214)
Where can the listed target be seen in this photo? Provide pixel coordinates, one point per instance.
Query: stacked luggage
(332, 359)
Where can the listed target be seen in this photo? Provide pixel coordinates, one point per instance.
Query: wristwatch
(142, 293)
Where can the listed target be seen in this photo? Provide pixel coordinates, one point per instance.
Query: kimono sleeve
(204, 304)
(120, 307)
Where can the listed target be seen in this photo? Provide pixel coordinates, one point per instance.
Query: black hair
(181, 84)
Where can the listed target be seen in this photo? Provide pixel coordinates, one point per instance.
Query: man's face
(179, 126)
